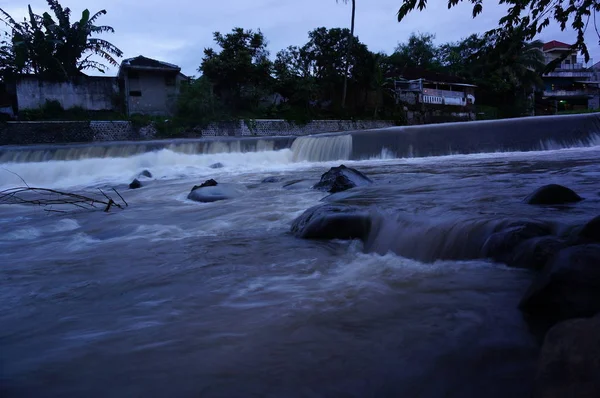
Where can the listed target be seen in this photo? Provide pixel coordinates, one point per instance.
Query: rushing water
(174, 298)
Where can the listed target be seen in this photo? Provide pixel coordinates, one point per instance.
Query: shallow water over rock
(172, 297)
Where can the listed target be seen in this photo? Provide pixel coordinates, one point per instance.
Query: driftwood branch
(28, 195)
(49, 197)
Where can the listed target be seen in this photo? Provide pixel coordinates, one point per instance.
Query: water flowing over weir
(122, 149)
(522, 134)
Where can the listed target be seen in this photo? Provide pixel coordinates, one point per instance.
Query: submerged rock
(270, 180)
(298, 184)
(535, 253)
(207, 183)
(341, 178)
(569, 364)
(568, 287)
(211, 191)
(135, 184)
(145, 173)
(553, 194)
(501, 245)
(333, 222)
(217, 165)
(591, 231)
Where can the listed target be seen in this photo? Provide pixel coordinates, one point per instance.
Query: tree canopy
(241, 71)
(527, 18)
(54, 47)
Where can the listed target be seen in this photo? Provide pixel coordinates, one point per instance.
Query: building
(572, 84)
(433, 97)
(148, 86)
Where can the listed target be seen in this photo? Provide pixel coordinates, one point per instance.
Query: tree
(315, 72)
(197, 105)
(7, 58)
(527, 18)
(58, 48)
(420, 52)
(241, 71)
(348, 50)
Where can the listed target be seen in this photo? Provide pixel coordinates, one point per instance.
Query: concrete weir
(520, 134)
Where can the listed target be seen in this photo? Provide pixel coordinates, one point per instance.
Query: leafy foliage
(419, 51)
(56, 48)
(241, 71)
(527, 18)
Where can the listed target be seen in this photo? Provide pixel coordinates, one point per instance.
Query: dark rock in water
(333, 222)
(553, 194)
(568, 287)
(135, 184)
(207, 183)
(535, 253)
(217, 165)
(145, 173)
(591, 231)
(569, 363)
(298, 184)
(213, 192)
(501, 245)
(270, 180)
(341, 178)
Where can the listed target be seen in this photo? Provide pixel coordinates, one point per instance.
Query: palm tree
(348, 51)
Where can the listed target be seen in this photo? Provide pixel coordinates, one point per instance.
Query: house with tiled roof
(571, 85)
(149, 86)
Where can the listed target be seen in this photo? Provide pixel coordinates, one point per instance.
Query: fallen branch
(49, 197)
(28, 195)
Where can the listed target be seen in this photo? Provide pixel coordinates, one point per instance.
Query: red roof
(551, 45)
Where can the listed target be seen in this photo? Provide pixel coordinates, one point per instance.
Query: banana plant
(52, 46)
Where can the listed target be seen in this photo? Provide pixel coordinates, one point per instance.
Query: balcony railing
(560, 73)
(566, 93)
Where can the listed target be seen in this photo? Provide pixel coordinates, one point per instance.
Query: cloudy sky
(177, 31)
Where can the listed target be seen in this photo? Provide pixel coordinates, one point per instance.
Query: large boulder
(553, 194)
(569, 364)
(500, 246)
(568, 287)
(135, 184)
(341, 178)
(333, 222)
(211, 191)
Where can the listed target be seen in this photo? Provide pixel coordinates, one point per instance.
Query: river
(170, 297)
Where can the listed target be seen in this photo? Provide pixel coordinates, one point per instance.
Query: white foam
(163, 164)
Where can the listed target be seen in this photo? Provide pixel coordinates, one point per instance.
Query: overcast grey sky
(177, 31)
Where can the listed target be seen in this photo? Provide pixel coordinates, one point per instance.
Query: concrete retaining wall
(25, 133)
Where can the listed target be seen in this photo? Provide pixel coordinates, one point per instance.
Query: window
(170, 80)
(135, 93)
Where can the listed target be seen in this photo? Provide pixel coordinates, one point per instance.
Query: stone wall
(88, 92)
(283, 128)
(24, 133)
(113, 130)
